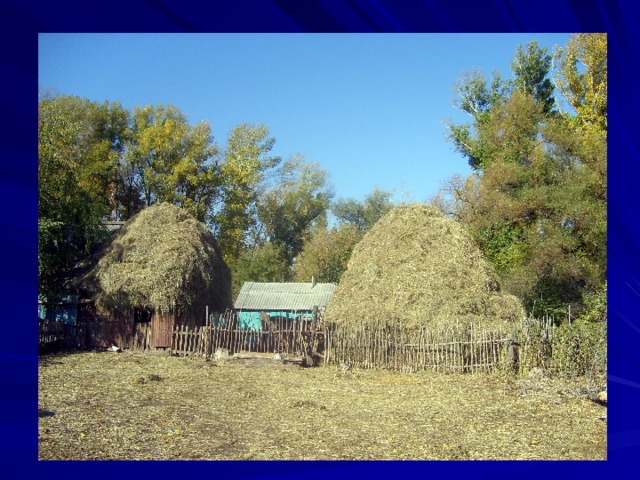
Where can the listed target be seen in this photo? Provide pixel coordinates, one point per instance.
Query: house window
(141, 315)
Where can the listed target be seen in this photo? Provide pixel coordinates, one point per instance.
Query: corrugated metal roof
(113, 227)
(283, 296)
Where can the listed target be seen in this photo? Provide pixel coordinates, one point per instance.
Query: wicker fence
(369, 345)
(389, 345)
(535, 343)
(568, 350)
(286, 337)
(376, 344)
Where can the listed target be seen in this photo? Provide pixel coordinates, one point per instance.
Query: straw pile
(417, 266)
(161, 259)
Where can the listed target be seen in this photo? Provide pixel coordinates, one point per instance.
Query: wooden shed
(259, 302)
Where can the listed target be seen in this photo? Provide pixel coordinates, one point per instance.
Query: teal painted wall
(251, 320)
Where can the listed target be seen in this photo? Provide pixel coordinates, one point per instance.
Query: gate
(161, 330)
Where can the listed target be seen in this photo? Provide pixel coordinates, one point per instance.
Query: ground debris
(91, 407)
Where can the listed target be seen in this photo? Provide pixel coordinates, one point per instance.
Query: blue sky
(369, 108)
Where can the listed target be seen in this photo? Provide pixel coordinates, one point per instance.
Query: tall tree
(537, 201)
(363, 215)
(477, 98)
(243, 169)
(171, 161)
(531, 67)
(299, 199)
(73, 173)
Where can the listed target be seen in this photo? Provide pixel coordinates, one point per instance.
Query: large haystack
(162, 260)
(422, 268)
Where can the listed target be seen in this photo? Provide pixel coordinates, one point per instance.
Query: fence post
(513, 354)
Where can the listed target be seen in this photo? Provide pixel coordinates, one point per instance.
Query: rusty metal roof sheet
(283, 296)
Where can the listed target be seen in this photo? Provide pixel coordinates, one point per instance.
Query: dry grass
(134, 406)
(422, 268)
(162, 259)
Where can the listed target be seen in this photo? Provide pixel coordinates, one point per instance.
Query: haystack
(162, 260)
(418, 266)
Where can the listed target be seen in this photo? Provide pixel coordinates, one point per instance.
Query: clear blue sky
(369, 108)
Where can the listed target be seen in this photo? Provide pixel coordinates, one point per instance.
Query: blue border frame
(22, 20)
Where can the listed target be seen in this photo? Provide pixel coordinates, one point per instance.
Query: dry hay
(161, 259)
(139, 407)
(420, 267)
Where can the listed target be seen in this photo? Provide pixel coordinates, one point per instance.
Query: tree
(477, 98)
(73, 173)
(485, 101)
(326, 254)
(170, 161)
(536, 202)
(264, 263)
(299, 200)
(243, 170)
(531, 67)
(363, 215)
(581, 77)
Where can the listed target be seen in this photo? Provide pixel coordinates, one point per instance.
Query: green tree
(326, 254)
(581, 77)
(363, 215)
(537, 200)
(297, 202)
(170, 161)
(244, 169)
(264, 263)
(531, 68)
(484, 101)
(73, 180)
(477, 98)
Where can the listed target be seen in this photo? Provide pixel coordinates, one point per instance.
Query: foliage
(536, 203)
(97, 162)
(326, 254)
(530, 67)
(263, 263)
(582, 77)
(74, 170)
(297, 202)
(596, 306)
(363, 215)
(580, 349)
(172, 161)
(243, 171)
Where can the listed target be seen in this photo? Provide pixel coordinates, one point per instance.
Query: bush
(580, 349)
(596, 305)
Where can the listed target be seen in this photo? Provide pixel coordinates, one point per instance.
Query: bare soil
(104, 405)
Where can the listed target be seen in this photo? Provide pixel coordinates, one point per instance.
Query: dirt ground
(103, 405)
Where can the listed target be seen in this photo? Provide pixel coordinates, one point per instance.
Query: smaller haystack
(165, 264)
(422, 268)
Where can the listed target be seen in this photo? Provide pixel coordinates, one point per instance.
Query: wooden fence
(535, 343)
(286, 337)
(377, 344)
(389, 345)
(53, 335)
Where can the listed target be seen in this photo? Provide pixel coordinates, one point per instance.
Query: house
(257, 303)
